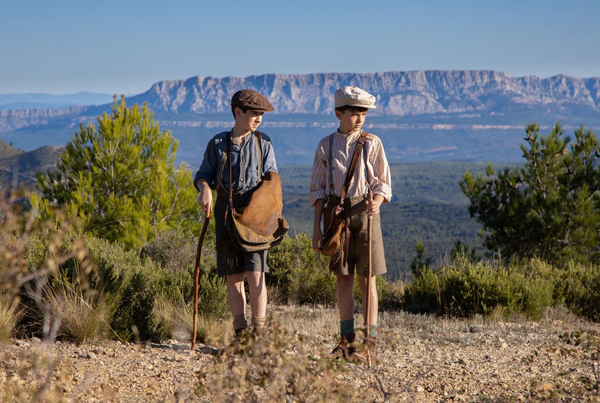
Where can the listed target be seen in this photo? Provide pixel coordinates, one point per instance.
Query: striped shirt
(343, 149)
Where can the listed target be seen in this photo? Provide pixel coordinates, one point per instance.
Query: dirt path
(420, 359)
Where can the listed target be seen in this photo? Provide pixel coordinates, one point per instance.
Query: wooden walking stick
(196, 275)
(369, 269)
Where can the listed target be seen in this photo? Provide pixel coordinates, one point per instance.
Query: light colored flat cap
(354, 96)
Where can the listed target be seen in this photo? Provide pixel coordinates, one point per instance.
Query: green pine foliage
(119, 177)
(549, 208)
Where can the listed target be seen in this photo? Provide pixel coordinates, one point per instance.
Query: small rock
(504, 345)
(91, 355)
(420, 389)
(473, 329)
(36, 339)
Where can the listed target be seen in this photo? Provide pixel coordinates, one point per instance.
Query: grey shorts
(358, 259)
(231, 260)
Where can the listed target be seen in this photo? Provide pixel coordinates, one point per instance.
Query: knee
(345, 281)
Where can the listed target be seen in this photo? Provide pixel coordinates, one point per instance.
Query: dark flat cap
(250, 99)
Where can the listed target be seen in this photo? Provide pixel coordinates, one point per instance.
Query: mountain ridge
(398, 93)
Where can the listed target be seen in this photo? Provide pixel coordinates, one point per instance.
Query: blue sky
(62, 47)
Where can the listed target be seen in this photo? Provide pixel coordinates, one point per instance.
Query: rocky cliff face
(398, 93)
(15, 119)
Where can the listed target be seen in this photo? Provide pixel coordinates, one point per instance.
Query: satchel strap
(359, 147)
(366, 159)
(330, 165)
(355, 157)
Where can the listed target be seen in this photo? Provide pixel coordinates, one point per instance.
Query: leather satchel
(336, 236)
(259, 223)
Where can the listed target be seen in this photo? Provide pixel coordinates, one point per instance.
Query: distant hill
(19, 169)
(48, 101)
(7, 150)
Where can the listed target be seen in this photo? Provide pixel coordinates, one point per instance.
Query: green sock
(347, 326)
(373, 330)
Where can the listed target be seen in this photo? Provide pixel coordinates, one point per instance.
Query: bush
(466, 288)
(176, 250)
(301, 274)
(578, 288)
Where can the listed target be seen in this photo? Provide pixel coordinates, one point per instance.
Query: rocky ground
(420, 359)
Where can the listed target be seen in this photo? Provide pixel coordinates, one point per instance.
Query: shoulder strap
(222, 167)
(259, 156)
(355, 156)
(329, 164)
(366, 159)
(228, 150)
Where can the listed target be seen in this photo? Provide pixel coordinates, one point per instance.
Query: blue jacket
(244, 161)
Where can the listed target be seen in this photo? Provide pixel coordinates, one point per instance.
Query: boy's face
(351, 121)
(249, 120)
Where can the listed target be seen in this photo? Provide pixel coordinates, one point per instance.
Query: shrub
(176, 250)
(466, 288)
(133, 286)
(300, 273)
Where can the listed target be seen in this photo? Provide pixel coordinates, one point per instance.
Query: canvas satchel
(259, 223)
(336, 235)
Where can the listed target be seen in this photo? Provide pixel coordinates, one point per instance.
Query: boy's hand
(317, 239)
(205, 198)
(373, 207)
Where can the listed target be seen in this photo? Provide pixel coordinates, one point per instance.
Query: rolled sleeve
(269, 162)
(208, 168)
(381, 182)
(318, 180)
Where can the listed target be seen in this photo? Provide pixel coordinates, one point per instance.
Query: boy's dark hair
(352, 109)
(244, 110)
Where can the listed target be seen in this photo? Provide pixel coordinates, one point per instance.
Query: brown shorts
(359, 247)
(231, 260)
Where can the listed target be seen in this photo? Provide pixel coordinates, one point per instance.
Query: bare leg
(362, 282)
(345, 296)
(236, 293)
(258, 293)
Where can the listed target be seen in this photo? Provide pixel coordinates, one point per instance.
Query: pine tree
(120, 178)
(550, 207)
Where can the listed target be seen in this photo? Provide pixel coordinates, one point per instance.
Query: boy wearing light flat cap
(236, 160)
(333, 160)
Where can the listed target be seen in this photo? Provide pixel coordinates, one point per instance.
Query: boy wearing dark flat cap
(246, 146)
(332, 161)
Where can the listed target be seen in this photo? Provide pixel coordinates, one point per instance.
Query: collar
(350, 136)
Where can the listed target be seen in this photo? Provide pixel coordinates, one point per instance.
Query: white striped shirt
(343, 149)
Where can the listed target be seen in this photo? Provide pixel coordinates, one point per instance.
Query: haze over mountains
(46, 101)
(421, 115)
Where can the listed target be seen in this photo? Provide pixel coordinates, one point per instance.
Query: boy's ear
(339, 114)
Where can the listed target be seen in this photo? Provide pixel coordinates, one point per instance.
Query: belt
(225, 193)
(358, 208)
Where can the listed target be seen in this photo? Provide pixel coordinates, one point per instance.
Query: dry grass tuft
(10, 314)
(81, 319)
